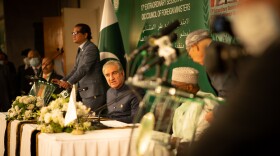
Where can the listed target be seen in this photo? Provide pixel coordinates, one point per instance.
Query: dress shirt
(47, 76)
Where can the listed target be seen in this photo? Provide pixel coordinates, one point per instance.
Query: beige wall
(96, 5)
(70, 17)
(90, 12)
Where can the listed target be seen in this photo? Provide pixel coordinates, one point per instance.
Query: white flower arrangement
(25, 108)
(51, 119)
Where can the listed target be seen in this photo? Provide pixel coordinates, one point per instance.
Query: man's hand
(55, 81)
(209, 116)
(63, 84)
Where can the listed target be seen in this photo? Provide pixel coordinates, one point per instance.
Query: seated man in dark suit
(122, 102)
(48, 72)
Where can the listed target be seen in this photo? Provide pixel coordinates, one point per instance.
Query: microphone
(157, 60)
(165, 40)
(167, 30)
(165, 48)
(137, 51)
(151, 42)
(166, 53)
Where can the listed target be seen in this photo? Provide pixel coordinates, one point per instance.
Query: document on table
(116, 124)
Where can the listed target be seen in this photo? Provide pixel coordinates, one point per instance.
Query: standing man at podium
(86, 72)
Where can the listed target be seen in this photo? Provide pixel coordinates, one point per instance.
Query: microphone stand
(97, 123)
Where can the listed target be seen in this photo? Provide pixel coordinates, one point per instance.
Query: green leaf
(68, 129)
(56, 127)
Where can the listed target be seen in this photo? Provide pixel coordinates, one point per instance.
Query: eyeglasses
(75, 33)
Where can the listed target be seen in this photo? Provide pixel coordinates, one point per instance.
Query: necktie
(79, 50)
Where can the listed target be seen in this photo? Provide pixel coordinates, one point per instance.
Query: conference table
(116, 141)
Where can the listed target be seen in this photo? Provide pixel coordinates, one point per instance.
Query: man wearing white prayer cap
(185, 78)
(189, 118)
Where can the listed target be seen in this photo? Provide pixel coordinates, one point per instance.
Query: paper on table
(115, 123)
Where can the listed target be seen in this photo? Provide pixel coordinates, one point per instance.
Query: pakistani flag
(110, 40)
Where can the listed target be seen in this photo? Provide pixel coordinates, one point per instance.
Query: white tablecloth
(3, 124)
(25, 144)
(25, 140)
(108, 142)
(13, 137)
(111, 142)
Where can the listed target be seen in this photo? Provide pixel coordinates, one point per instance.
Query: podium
(42, 89)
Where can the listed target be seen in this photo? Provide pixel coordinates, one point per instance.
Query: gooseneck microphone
(171, 27)
(151, 40)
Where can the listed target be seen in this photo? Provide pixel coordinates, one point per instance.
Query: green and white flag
(110, 40)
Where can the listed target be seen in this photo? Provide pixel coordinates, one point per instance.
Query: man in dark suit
(122, 102)
(87, 70)
(48, 73)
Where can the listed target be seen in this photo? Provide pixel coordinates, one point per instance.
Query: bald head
(47, 65)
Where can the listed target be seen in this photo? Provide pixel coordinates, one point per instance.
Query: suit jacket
(249, 122)
(87, 72)
(224, 82)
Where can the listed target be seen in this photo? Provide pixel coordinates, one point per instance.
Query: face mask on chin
(34, 62)
(257, 26)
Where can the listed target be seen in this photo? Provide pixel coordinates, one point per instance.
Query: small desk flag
(71, 113)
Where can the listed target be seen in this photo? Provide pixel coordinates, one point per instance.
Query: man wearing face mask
(35, 63)
(31, 71)
(248, 124)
